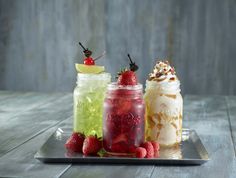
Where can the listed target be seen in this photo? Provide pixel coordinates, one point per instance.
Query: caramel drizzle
(151, 122)
(170, 96)
(159, 126)
(174, 125)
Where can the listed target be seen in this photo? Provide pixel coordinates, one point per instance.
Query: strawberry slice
(120, 138)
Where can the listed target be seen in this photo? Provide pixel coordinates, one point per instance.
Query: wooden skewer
(103, 54)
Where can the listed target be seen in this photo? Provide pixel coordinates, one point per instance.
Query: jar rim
(115, 86)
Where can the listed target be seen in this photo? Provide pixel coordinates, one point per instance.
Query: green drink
(89, 95)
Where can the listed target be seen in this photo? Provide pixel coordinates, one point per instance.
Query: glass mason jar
(123, 119)
(164, 111)
(88, 102)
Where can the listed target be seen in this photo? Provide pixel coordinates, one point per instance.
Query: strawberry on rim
(128, 77)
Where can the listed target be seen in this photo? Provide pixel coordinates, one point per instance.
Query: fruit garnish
(120, 138)
(150, 150)
(88, 60)
(127, 78)
(140, 152)
(82, 68)
(156, 147)
(91, 145)
(132, 66)
(75, 142)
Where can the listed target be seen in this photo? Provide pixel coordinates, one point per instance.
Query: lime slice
(93, 69)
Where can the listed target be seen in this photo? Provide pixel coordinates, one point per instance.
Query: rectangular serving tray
(190, 152)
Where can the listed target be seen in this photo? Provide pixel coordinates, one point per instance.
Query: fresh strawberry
(75, 142)
(127, 78)
(150, 150)
(119, 144)
(140, 152)
(91, 145)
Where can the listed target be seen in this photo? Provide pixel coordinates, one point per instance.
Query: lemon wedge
(91, 69)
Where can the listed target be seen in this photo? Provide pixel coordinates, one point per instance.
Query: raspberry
(156, 147)
(150, 150)
(140, 152)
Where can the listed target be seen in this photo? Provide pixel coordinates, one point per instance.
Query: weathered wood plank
(58, 23)
(37, 42)
(19, 102)
(202, 30)
(114, 171)
(141, 30)
(20, 162)
(231, 105)
(5, 98)
(21, 128)
(7, 94)
(25, 101)
(208, 116)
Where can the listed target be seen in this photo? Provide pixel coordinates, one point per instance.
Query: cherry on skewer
(88, 60)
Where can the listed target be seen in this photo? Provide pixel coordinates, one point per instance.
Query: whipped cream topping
(163, 72)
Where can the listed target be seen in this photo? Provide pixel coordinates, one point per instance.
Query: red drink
(123, 119)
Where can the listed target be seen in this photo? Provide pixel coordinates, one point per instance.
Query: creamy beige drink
(164, 105)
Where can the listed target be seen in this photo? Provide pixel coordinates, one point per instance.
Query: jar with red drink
(123, 119)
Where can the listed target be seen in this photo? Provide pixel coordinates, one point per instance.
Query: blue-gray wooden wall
(38, 40)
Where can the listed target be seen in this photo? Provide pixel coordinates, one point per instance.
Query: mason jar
(123, 119)
(88, 102)
(164, 111)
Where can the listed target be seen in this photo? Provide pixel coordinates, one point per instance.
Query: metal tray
(190, 152)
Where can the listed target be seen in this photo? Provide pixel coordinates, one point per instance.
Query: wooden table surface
(28, 119)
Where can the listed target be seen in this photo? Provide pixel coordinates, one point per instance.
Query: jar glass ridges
(123, 119)
(88, 102)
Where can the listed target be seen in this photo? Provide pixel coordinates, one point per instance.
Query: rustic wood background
(38, 41)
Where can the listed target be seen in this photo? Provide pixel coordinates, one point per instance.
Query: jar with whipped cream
(164, 105)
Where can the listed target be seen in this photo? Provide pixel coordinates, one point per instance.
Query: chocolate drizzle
(163, 71)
